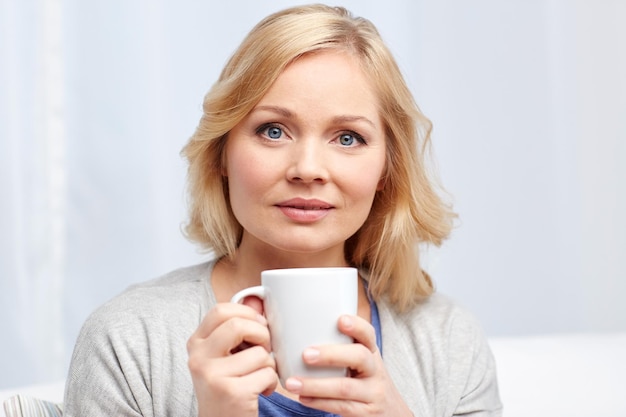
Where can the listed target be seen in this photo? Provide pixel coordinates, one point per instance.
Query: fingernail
(293, 385)
(346, 322)
(310, 354)
(261, 319)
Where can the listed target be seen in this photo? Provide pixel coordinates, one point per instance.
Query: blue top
(277, 405)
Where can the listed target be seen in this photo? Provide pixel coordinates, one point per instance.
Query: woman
(310, 152)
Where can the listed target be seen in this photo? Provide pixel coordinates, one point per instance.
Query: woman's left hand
(369, 391)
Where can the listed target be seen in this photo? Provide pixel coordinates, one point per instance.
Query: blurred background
(97, 98)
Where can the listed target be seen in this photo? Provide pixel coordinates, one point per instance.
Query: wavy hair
(407, 212)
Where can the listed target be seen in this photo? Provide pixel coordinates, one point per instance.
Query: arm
(103, 379)
(130, 357)
(473, 371)
(439, 360)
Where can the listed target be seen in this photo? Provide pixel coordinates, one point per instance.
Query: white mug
(303, 306)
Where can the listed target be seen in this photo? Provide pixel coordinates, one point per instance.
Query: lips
(305, 204)
(305, 210)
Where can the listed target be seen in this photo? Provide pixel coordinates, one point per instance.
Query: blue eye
(274, 132)
(350, 139)
(346, 139)
(270, 130)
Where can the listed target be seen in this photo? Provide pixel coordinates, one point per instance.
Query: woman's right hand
(227, 379)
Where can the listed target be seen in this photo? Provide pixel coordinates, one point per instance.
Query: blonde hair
(406, 212)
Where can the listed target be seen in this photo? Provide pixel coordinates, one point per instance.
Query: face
(304, 166)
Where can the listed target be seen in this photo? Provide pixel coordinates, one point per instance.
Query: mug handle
(257, 291)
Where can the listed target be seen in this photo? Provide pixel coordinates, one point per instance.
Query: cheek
(363, 185)
(248, 175)
(240, 183)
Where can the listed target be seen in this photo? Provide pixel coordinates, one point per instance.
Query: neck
(244, 269)
(253, 257)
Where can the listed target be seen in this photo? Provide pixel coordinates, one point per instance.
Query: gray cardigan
(131, 359)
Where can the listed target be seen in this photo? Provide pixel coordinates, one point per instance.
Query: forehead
(331, 80)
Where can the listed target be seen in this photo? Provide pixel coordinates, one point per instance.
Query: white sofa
(580, 375)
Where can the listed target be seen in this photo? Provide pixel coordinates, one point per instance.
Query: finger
(337, 406)
(357, 357)
(254, 363)
(358, 329)
(344, 389)
(263, 381)
(255, 303)
(229, 337)
(221, 313)
(222, 372)
(220, 386)
(246, 362)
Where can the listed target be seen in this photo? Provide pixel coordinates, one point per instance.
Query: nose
(308, 162)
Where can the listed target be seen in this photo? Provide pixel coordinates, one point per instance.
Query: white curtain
(528, 100)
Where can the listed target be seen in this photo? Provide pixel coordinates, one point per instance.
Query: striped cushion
(25, 406)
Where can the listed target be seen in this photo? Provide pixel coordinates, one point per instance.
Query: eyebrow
(337, 119)
(348, 118)
(274, 109)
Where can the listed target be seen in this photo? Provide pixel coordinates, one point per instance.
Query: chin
(304, 247)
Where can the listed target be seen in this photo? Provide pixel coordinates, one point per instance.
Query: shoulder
(437, 351)
(181, 279)
(135, 339)
(177, 298)
(180, 287)
(438, 328)
(437, 315)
